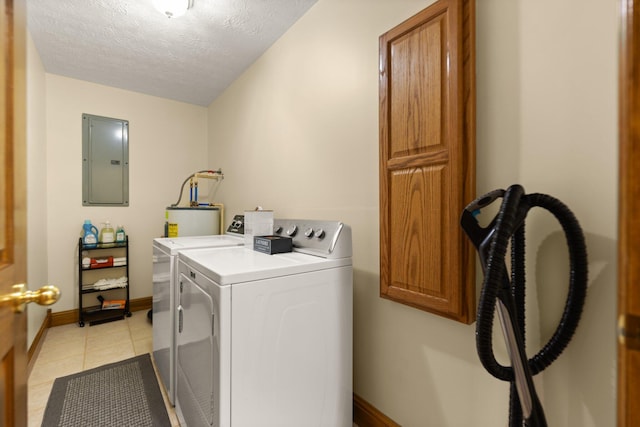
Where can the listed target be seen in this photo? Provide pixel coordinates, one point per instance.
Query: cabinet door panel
(427, 159)
(418, 99)
(416, 233)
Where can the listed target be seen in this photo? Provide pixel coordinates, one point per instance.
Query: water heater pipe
(206, 173)
(221, 207)
(193, 184)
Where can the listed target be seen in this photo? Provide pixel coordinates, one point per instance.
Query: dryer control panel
(237, 225)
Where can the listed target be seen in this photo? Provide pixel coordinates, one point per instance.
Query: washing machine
(266, 340)
(165, 273)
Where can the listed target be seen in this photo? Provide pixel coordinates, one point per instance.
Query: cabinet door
(427, 159)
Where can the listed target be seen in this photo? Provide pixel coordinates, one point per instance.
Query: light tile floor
(69, 349)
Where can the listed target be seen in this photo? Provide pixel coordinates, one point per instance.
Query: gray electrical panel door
(105, 161)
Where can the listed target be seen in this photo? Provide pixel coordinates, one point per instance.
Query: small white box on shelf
(257, 223)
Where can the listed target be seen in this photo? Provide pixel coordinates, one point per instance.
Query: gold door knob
(20, 296)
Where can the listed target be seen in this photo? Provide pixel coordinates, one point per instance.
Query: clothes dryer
(266, 340)
(165, 273)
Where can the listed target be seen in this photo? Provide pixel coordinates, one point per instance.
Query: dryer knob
(319, 233)
(292, 230)
(277, 229)
(309, 233)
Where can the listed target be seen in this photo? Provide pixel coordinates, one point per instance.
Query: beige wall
(37, 273)
(575, 70)
(167, 142)
(298, 133)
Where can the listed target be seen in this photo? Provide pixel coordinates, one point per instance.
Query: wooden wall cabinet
(427, 159)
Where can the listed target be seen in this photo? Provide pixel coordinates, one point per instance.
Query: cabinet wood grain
(427, 159)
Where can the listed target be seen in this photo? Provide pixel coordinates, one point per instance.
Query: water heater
(192, 221)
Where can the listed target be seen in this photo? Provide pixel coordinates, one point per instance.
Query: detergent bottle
(89, 234)
(120, 234)
(107, 236)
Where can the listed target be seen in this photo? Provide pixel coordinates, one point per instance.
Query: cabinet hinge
(629, 331)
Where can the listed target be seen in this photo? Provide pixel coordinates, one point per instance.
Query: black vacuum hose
(495, 273)
(512, 206)
(577, 281)
(492, 243)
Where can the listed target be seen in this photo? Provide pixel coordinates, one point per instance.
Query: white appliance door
(165, 297)
(163, 318)
(291, 357)
(199, 342)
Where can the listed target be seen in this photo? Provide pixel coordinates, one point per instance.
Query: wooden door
(13, 327)
(629, 218)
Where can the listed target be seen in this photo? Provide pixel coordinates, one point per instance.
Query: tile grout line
(36, 409)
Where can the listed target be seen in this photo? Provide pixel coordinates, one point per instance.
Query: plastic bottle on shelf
(120, 234)
(107, 236)
(89, 234)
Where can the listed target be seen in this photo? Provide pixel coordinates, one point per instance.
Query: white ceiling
(128, 44)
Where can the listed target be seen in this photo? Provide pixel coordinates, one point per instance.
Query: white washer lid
(226, 266)
(175, 244)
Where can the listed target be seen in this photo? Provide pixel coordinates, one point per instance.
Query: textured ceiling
(128, 44)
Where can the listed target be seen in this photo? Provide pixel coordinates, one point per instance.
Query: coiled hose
(492, 243)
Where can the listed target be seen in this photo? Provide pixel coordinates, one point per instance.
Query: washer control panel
(329, 239)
